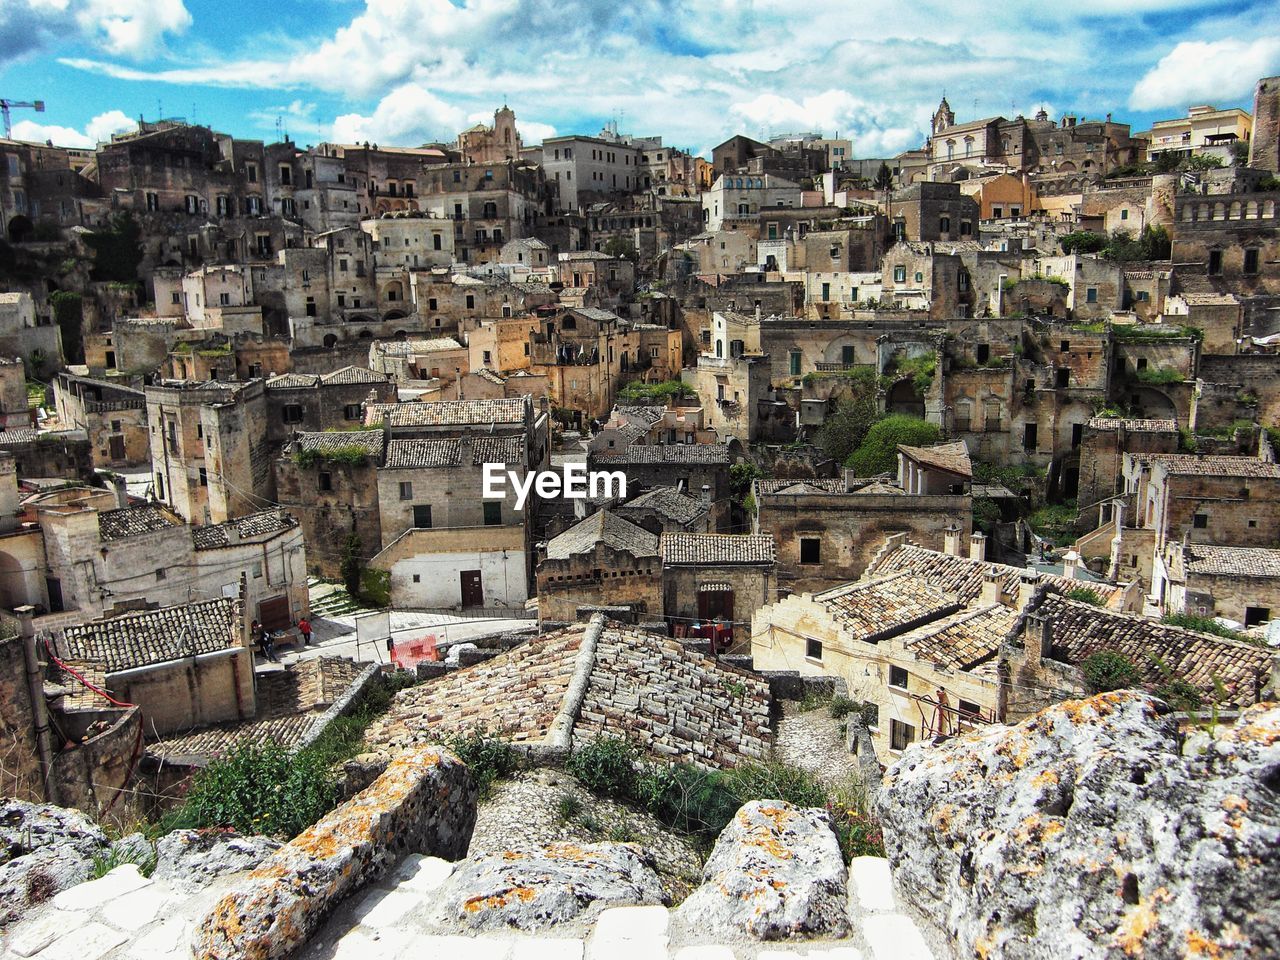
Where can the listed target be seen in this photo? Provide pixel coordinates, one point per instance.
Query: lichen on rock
(1084, 832)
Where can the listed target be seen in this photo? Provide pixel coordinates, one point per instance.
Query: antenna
(159, 110)
(7, 105)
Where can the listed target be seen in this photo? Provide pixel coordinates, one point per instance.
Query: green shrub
(1180, 695)
(1160, 375)
(919, 368)
(375, 587)
(986, 514)
(1106, 670)
(606, 766)
(841, 707)
(1082, 241)
(878, 453)
(114, 857)
(489, 757)
(259, 788)
(1189, 621)
(1086, 595)
(568, 807)
(656, 394)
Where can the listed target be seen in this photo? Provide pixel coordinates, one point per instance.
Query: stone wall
(424, 803)
(674, 704)
(19, 757)
(196, 691)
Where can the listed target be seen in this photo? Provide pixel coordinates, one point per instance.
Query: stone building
(928, 211)
(700, 469)
(112, 415)
(921, 637)
(827, 531)
(633, 683)
(667, 510)
(602, 561)
(746, 197)
(211, 447)
(584, 170)
(1264, 145)
(713, 577)
(185, 666)
(1103, 446)
(492, 144)
(1241, 584)
(328, 482)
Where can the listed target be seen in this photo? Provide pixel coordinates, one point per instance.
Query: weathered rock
(538, 887)
(191, 859)
(1083, 832)
(454, 656)
(425, 802)
(775, 872)
(43, 849)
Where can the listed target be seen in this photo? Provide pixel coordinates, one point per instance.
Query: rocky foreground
(1093, 830)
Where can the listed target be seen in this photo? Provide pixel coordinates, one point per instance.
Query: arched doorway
(20, 229)
(904, 398)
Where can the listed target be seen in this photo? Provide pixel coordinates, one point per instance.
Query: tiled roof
(369, 440)
(457, 413)
(498, 450)
(18, 435)
(267, 523)
(626, 433)
(1231, 561)
(1133, 426)
(964, 577)
(644, 414)
(1187, 464)
(966, 640)
(518, 692)
(292, 381)
(486, 374)
(800, 487)
(352, 375)
(603, 527)
(156, 636)
(136, 521)
(709, 453)
(1201, 659)
(717, 549)
(405, 348)
(1209, 299)
(406, 454)
(878, 488)
(952, 457)
(668, 502)
(872, 609)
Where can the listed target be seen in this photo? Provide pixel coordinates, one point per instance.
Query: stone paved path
(812, 741)
(124, 916)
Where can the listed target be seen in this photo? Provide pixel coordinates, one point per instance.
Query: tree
(68, 313)
(1240, 153)
(741, 476)
(1203, 161)
(352, 564)
(1082, 241)
(884, 177)
(1152, 244)
(1166, 161)
(878, 453)
(117, 250)
(855, 412)
(621, 247)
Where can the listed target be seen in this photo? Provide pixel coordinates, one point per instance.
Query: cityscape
(701, 482)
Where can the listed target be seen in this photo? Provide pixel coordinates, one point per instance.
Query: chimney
(122, 491)
(978, 546)
(951, 540)
(706, 495)
(1071, 564)
(1039, 635)
(992, 589)
(1027, 584)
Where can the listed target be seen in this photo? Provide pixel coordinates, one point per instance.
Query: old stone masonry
(1096, 829)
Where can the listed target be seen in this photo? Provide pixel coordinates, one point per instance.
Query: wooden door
(472, 588)
(274, 613)
(115, 448)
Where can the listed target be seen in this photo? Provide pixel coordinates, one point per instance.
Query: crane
(7, 105)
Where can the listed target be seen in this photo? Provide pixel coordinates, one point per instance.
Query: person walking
(304, 628)
(266, 640)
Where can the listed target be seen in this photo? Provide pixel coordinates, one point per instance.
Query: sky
(695, 72)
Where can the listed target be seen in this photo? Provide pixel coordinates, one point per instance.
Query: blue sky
(694, 71)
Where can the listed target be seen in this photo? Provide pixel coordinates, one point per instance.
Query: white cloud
(696, 71)
(409, 114)
(1198, 71)
(128, 28)
(97, 130)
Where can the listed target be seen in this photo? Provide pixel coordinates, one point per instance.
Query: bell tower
(943, 117)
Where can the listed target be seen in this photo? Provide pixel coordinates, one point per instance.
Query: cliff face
(1085, 832)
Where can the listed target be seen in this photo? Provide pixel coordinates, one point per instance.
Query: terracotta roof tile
(717, 549)
(966, 640)
(418, 454)
(368, 440)
(267, 523)
(706, 453)
(352, 375)
(136, 521)
(1231, 561)
(603, 527)
(156, 636)
(667, 502)
(1201, 659)
(872, 609)
(457, 413)
(498, 450)
(952, 457)
(1133, 426)
(1186, 464)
